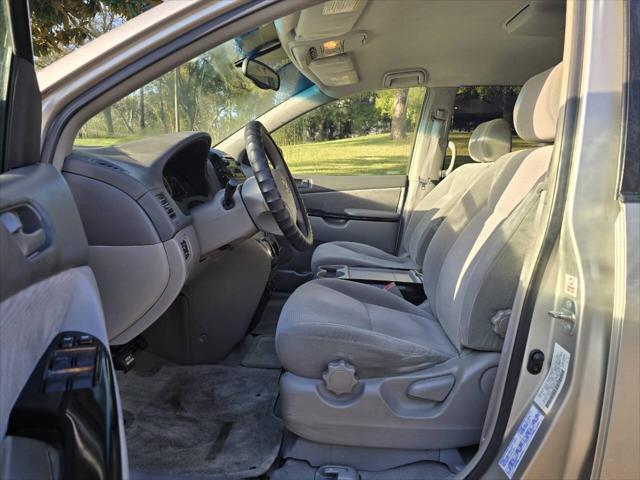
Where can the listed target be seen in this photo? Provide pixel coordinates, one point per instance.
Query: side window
(369, 133)
(6, 51)
(475, 105)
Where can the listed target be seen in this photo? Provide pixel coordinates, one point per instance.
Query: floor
(220, 421)
(206, 421)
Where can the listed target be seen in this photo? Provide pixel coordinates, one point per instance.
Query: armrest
(369, 213)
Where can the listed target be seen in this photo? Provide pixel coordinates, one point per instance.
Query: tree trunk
(142, 123)
(108, 118)
(163, 117)
(399, 117)
(175, 100)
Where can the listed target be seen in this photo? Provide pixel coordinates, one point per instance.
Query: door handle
(25, 228)
(302, 183)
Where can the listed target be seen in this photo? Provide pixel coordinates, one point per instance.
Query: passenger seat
(366, 368)
(488, 142)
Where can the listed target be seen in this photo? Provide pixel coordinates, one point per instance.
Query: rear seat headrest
(490, 140)
(536, 111)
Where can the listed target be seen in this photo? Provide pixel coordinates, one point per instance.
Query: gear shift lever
(229, 190)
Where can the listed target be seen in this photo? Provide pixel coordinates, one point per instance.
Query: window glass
(209, 94)
(59, 27)
(6, 52)
(370, 133)
(475, 105)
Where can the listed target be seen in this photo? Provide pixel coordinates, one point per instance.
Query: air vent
(184, 245)
(166, 205)
(105, 164)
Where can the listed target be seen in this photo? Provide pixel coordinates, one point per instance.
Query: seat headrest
(536, 111)
(490, 140)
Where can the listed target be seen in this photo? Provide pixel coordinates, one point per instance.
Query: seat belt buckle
(391, 287)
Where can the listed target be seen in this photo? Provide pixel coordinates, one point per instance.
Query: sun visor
(335, 71)
(328, 19)
(537, 18)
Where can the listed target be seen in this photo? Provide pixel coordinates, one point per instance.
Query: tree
(142, 123)
(478, 104)
(59, 26)
(108, 119)
(399, 116)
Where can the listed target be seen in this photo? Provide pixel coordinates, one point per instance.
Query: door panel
(46, 288)
(356, 208)
(380, 234)
(60, 414)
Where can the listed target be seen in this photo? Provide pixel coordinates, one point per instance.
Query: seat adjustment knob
(340, 377)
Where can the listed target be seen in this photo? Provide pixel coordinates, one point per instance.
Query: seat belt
(438, 121)
(450, 146)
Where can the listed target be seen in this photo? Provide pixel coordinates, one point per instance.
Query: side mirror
(260, 74)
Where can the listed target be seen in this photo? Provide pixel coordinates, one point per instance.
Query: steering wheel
(277, 186)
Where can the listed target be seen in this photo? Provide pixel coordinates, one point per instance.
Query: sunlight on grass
(104, 141)
(366, 155)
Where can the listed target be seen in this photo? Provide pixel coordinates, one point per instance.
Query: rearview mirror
(261, 75)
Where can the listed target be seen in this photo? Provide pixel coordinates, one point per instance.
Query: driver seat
(488, 142)
(364, 367)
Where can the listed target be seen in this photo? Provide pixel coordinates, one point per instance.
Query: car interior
(269, 323)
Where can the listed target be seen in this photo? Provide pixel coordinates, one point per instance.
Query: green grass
(104, 141)
(367, 155)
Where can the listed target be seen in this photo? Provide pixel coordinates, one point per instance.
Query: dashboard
(139, 205)
(190, 183)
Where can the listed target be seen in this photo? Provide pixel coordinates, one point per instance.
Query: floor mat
(262, 353)
(270, 314)
(201, 420)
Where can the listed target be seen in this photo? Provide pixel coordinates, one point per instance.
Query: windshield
(208, 93)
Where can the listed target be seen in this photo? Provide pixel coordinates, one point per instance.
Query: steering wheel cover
(260, 149)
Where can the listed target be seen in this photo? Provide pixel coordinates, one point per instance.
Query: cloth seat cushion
(377, 332)
(356, 254)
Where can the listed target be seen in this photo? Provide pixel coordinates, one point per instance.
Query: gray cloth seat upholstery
(473, 262)
(357, 254)
(488, 142)
(378, 332)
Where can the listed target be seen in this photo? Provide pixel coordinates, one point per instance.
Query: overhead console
(320, 39)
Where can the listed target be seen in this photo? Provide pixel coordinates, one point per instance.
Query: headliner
(458, 42)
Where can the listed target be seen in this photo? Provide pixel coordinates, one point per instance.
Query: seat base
(366, 458)
(380, 413)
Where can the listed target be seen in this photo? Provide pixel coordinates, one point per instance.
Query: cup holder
(331, 271)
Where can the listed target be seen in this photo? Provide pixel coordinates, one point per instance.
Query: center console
(407, 283)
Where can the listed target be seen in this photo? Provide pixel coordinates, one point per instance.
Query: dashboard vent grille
(104, 163)
(166, 205)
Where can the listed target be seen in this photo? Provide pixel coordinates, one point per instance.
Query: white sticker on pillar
(554, 381)
(571, 285)
(521, 441)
